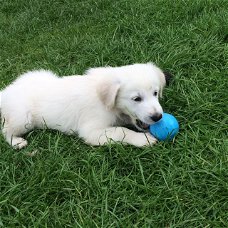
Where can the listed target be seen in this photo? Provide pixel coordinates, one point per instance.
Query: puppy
(96, 105)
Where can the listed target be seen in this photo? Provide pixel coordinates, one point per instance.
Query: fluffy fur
(96, 105)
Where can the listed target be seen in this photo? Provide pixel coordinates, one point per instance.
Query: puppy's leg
(13, 130)
(13, 139)
(118, 134)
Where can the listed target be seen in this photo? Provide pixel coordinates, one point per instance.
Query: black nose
(156, 117)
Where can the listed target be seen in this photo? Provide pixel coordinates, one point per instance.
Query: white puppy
(97, 105)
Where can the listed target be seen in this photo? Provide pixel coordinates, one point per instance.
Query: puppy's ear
(162, 83)
(165, 78)
(107, 92)
(168, 77)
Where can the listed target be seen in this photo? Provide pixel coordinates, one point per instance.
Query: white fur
(96, 105)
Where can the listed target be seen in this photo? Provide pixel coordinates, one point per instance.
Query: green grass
(70, 184)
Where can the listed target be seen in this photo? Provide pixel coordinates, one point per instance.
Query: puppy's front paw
(144, 139)
(150, 139)
(19, 143)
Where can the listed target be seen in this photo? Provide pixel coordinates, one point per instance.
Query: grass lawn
(70, 184)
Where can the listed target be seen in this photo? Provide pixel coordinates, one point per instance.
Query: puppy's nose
(156, 117)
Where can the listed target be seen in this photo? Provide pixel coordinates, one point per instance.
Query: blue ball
(166, 128)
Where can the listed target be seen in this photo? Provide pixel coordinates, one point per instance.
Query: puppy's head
(133, 90)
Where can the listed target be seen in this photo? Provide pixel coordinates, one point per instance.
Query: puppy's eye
(155, 93)
(137, 99)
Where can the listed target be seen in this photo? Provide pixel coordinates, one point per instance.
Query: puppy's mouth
(142, 125)
(134, 123)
